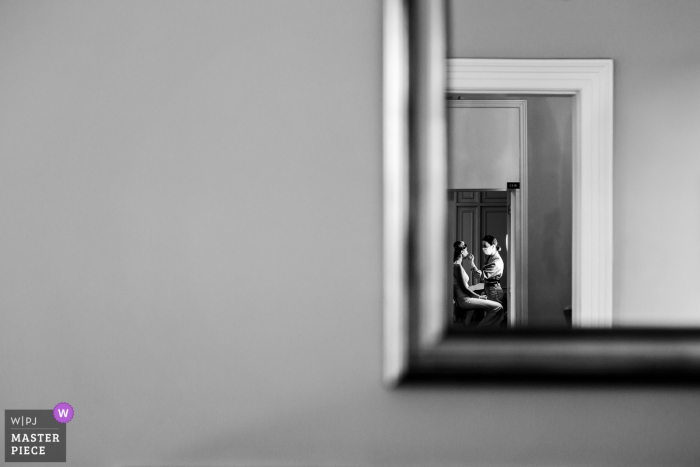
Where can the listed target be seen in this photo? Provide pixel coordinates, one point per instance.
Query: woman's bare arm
(493, 268)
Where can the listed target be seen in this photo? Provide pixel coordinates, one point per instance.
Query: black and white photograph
(366, 233)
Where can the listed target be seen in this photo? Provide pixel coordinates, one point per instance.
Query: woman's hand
(470, 257)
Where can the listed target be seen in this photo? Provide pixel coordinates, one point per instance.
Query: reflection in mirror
(417, 304)
(497, 141)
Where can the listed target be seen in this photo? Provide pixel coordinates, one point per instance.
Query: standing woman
(493, 269)
(466, 298)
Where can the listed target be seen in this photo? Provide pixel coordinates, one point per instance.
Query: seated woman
(493, 269)
(467, 299)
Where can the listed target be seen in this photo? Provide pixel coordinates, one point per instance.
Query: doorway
(488, 163)
(473, 214)
(590, 85)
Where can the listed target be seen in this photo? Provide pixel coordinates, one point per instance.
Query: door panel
(468, 197)
(494, 197)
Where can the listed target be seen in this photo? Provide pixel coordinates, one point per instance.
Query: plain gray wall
(190, 251)
(549, 208)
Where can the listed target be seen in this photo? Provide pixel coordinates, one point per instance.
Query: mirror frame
(417, 345)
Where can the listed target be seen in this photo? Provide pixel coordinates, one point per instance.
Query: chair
(460, 315)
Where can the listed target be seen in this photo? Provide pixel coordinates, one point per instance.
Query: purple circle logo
(63, 412)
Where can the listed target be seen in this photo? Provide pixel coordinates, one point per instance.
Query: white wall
(190, 247)
(484, 146)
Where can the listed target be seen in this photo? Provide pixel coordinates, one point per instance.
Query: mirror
(425, 197)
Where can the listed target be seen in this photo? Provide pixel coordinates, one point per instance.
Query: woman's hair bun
(460, 245)
(491, 240)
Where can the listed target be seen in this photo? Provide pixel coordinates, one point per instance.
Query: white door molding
(590, 82)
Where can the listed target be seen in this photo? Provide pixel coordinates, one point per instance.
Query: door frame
(515, 247)
(518, 202)
(590, 83)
